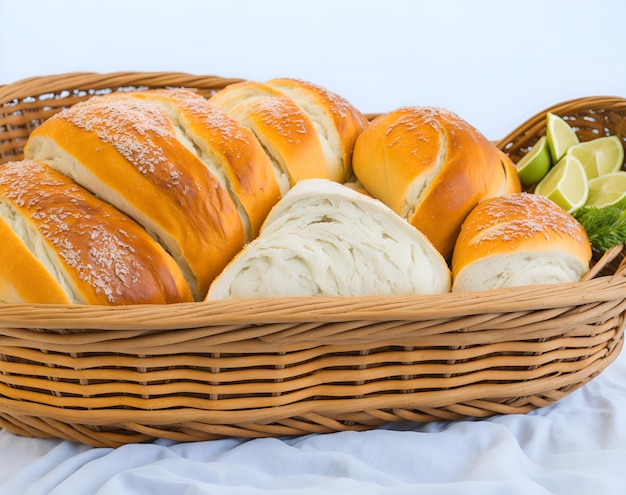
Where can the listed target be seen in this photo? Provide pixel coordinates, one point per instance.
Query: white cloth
(576, 446)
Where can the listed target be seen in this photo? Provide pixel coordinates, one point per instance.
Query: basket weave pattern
(106, 376)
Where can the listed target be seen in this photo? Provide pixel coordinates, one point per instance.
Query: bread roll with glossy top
(128, 151)
(307, 130)
(61, 244)
(519, 239)
(325, 239)
(431, 167)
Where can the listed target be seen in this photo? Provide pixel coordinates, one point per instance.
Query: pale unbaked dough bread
(324, 238)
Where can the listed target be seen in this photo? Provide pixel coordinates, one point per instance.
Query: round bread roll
(308, 131)
(136, 153)
(431, 167)
(61, 244)
(519, 239)
(325, 239)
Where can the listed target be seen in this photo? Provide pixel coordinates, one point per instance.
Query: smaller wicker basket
(106, 376)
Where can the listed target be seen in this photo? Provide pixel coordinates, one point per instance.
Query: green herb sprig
(605, 226)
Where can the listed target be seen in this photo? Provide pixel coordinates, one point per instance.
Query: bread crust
(431, 167)
(521, 226)
(227, 148)
(127, 152)
(101, 255)
(342, 121)
(288, 136)
(24, 278)
(309, 130)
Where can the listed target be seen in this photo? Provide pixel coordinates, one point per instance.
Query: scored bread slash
(308, 131)
(287, 134)
(336, 120)
(228, 149)
(430, 167)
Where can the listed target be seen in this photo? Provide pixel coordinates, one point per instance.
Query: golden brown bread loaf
(61, 244)
(195, 178)
(308, 131)
(128, 150)
(431, 167)
(519, 239)
(228, 149)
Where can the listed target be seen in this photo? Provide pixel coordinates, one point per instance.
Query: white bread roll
(61, 244)
(323, 238)
(430, 167)
(519, 239)
(308, 131)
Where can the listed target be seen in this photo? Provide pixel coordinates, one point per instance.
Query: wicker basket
(106, 376)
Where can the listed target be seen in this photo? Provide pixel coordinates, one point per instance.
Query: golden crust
(347, 121)
(518, 223)
(242, 92)
(429, 166)
(244, 163)
(131, 149)
(107, 257)
(284, 111)
(288, 135)
(23, 278)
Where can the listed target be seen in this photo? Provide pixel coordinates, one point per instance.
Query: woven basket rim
(32, 86)
(538, 119)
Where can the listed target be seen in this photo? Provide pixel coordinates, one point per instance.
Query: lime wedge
(607, 189)
(560, 136)
(534, 165)
(565, 184)
(600, 156)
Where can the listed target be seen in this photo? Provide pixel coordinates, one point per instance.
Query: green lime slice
(534, 165)
(565, 184)
(600, 156)
(560, 136)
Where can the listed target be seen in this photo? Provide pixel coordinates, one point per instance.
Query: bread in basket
(107, 376)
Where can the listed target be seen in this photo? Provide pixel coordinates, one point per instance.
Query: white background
(494, 62)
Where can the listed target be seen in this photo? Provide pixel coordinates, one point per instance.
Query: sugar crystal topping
(516, 216)
(119, 120)
(286, 118)
(89, 238)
